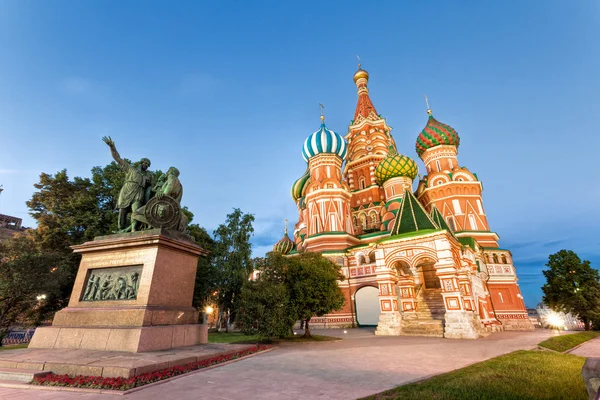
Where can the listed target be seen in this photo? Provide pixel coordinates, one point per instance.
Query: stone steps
(20, 374)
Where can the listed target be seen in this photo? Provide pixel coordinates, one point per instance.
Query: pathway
(361, 365)
(591, 348)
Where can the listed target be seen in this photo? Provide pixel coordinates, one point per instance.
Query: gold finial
(286, 228)
(322, 112)
(427, 102)
(357, 56)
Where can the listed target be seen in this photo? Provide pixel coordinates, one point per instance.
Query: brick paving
(591, 348)
(360, 365)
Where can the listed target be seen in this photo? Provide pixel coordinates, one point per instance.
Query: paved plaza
(360, 365)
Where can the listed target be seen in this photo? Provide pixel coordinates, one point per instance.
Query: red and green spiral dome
(434, 134)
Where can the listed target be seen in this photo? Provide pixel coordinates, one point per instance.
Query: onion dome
(395, 165)
(434, 134)
(299, 187)
(285, 245)
(361, 73)
(324, 141)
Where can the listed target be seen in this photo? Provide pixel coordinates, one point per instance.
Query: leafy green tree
(572, 286)
(264, 309)
(232, 260)
(311, 282)
(206, 276)
(27, 272)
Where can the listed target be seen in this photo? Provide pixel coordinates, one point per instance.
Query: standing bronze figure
(136, 190)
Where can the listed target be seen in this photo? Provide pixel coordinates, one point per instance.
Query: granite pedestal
(146, 303)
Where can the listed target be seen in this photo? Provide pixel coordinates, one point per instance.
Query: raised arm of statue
(113, 150)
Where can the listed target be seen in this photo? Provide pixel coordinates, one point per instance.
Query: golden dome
(361, 73)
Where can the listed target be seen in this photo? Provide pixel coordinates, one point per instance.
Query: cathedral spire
(364, 107)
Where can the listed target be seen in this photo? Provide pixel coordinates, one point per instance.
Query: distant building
(9, 226)
(550, 319)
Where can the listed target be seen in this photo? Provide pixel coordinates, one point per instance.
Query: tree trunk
(307, 329)
(586, 324)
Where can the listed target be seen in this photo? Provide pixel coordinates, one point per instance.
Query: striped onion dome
(299, 187)
(434, 134)
(285, 245)
(395, 165)
(324, 141)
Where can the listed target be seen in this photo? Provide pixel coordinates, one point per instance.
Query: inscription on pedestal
(120, 283)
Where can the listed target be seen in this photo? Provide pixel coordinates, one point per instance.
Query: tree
(311, 283)
(572, 286)
(232, 260)
(27, 272)
(206, 275)
(264, 309)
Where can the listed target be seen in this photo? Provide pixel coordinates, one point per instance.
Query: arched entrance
(366, 301)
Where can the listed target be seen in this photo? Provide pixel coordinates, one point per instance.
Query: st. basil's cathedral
(415, 263)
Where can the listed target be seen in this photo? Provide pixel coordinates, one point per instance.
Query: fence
(18, 337)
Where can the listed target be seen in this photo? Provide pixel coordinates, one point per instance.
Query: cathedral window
(495, 257)
(472, 222)
(361, 182)
(372, 257)
(316, 223)
(361, 259)
(393, 191)
(439, 167)
(332, 222)
(450, 163)
(501, 298)
(451, 224)
(504, 261)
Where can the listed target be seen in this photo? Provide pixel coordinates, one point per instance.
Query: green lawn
(12, 347)
(516, 376)
(238, 337)
(567, 342)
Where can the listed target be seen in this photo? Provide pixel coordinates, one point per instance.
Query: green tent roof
(412, 217)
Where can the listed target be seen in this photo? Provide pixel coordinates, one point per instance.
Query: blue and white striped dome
(324, 141)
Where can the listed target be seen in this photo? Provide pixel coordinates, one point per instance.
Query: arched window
(495, 256)
(361, 259)
(504, 259)
(372, 257)
(363, 221)
(437, 164)
(361, 183)
(373, 218)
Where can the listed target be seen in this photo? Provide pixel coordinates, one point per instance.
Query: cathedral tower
(327, 199)
(454, 190)
(368, 141)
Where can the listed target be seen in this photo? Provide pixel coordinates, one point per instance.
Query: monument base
(133, 292)
(132, 339)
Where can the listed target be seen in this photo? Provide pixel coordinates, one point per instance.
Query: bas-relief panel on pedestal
(121, 283)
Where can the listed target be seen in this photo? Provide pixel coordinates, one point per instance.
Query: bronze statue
(136, 189)
(151, 205)
(164, 209)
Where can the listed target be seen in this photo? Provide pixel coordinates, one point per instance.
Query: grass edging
(566, 343)
(523, 374)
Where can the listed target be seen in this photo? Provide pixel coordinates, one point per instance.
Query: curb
(8, 384)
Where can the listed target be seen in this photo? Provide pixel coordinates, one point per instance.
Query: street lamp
(40, 297)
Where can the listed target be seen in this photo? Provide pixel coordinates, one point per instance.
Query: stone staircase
(20, 375)
(429, 319)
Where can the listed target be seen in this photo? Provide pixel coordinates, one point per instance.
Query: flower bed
(99, 382)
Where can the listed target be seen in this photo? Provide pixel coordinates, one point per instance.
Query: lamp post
(207, 311)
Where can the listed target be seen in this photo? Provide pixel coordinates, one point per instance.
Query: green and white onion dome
(284, 246)
(324, 141)
(395, 165)
(299, 187)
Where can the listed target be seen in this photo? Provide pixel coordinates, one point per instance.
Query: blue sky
(228, 91)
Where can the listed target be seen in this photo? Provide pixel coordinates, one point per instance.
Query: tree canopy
(572, 286)
(311, 288)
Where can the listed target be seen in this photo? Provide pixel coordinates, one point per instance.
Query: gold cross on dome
(322, 111)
